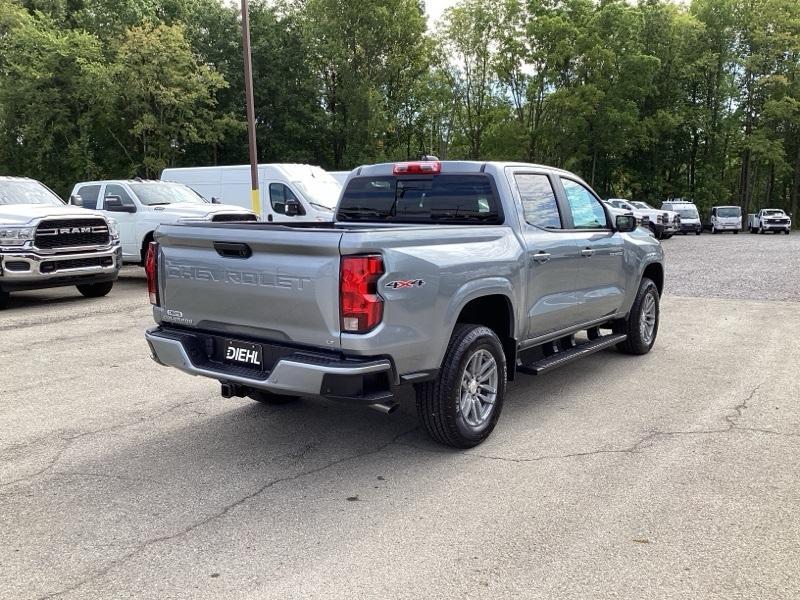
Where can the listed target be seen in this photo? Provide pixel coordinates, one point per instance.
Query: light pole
(255, 202)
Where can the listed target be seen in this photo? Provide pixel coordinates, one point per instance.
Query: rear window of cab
(442, 199)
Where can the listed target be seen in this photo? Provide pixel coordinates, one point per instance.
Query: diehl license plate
(243, 354)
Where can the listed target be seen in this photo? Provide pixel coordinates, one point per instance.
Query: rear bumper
(294, 371)
(30, 270)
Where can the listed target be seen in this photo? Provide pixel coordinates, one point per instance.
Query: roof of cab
(455, 166)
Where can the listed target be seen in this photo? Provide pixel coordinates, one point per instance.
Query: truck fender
(472, 290)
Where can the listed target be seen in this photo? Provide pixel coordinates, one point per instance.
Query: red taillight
(427, 167)
(151, 269)
(360, 305)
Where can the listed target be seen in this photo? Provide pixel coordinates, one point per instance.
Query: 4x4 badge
(405, 283)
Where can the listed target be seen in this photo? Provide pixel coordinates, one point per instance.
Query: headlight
(16, 236)
(113, 228)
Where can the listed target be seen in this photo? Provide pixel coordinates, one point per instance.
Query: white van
(314, 190)
(687, 211)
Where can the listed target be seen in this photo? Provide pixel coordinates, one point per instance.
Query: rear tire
(272, 399)
(735, 232)
(641, 324)
(4, 296)
(461, 407)
(95, 290)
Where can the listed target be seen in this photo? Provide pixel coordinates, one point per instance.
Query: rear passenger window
(88, 194)
(538, 200)
(587, 212)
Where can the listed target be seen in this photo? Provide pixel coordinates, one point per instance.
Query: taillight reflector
(360, 306)
(151, 269)
(427, 167)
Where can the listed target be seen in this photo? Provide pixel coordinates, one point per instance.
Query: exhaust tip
(386, 408)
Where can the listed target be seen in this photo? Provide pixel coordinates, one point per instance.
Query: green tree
(166, 98)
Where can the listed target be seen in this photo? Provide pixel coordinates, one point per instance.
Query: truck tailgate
(254, 280)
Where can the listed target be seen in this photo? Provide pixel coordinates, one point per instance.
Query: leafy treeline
(648, 101)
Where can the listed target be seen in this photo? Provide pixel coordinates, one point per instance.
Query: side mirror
(215, 201)
(116, 204)
(626, 223)
(76, 200)
(292, 208)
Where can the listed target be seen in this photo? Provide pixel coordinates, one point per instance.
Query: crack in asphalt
(70, 440)
(218, 515)
(731, 419)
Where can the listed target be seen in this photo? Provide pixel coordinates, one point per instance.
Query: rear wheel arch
(495, 311)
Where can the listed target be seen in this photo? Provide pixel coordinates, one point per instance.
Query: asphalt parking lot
(673, 475)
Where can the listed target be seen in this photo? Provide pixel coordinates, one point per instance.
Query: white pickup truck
(141, 206)
(769, 219)
(46, 244)
(663, 223)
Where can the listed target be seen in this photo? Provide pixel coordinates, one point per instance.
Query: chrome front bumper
(293, 375)
(27, 267)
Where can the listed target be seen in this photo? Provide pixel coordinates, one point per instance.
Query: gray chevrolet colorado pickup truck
(45, 243)
(448, 276)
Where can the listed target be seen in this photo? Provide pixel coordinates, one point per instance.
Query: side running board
(565, 357)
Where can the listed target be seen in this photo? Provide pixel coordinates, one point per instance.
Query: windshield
(153, 194)
(322, 190)
(642, 205)
(687, 213)
(774, 212)
(732, 211)
(441, 199)
(27, 192)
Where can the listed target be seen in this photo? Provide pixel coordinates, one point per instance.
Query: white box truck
(312, 190)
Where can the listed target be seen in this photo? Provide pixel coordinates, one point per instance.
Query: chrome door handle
(587, 252)
(541, 257)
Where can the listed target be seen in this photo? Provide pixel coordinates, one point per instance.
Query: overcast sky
(435, 9)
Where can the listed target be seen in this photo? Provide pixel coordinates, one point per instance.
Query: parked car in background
(663, 223)
(725, 218)
(311, 191)
(769, 219)
(140, 206)
(448, 276)
(44, 243)
(687, 211)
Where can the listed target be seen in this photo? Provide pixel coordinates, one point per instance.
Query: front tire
(641, 324)
(713, 230)
(4, 296)
(461, 407)
(699, 231)
(95, 290)
(786, 231)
